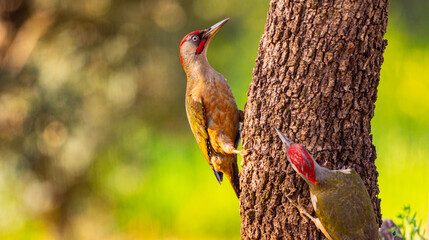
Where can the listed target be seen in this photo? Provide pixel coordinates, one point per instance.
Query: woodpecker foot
(316, 221)
(243, 163)
(302, 211)
(243, 153)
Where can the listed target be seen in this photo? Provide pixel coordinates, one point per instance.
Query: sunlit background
(94, 141)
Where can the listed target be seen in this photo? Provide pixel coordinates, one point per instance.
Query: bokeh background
(94, 141)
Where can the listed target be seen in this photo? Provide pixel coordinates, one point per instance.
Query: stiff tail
(238, 137)
(227, 165)
(235, 179)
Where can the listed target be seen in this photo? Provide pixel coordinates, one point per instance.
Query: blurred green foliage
(94, 141)
(409, 226)
(401, 122)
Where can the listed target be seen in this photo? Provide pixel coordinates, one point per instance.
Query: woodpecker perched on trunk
(339, 197)
(210, 106)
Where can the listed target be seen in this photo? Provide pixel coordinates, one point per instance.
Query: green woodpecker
(339, 197)
(210, 106)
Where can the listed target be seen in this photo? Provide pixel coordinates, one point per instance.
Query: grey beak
(284, 139)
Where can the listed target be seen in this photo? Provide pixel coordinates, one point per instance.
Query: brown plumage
(210, 106)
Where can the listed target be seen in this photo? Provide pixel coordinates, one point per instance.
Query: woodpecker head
(194, 45)
(301, 160)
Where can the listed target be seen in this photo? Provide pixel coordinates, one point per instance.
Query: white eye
(195, 38)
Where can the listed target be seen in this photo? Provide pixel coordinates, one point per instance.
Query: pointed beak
(211, 31)
(284, 139)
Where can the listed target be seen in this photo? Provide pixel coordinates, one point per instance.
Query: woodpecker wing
(198, 122)
(343, 206)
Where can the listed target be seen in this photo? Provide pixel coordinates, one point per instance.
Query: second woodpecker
(210, 106)
(339, 197)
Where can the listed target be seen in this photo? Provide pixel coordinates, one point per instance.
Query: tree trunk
(316, 78)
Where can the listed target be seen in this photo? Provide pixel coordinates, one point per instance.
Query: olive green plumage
(343, 206)
(339, 197)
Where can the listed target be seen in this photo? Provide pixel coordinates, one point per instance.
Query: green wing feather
(197, 120)
(344, 207)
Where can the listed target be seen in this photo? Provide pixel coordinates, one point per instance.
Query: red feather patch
(201, 46)
(302, 161)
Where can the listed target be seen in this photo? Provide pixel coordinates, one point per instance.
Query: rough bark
(316, 78)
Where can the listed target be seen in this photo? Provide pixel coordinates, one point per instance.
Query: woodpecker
(211, 108)
(339, 197)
